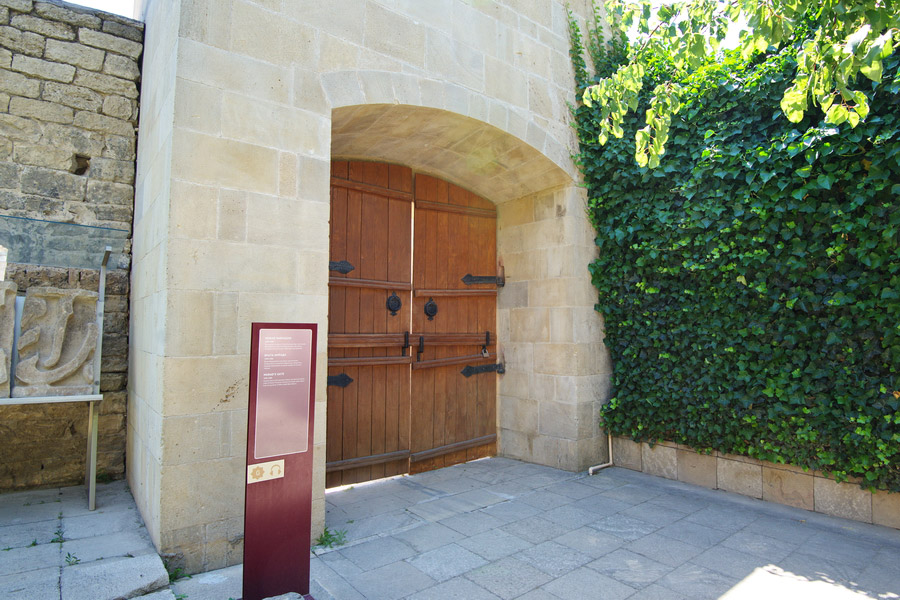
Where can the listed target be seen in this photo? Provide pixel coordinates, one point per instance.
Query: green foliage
(175, 573)
(842, 40)
(750, 284)
(330, 538)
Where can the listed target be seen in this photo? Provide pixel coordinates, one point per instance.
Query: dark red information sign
(277, 512)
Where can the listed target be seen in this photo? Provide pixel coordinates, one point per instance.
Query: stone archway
(550, 337)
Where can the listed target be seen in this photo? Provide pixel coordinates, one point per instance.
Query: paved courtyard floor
(500, 528)
(494, 528)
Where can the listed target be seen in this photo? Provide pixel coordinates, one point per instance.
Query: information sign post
(278, 487)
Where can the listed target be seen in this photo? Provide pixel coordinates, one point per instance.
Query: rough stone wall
(69, 83)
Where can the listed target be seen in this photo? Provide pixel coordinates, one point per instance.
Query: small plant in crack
(33, 543)
(71, 559)
(175, 572)
(330, 539)
(58, 538)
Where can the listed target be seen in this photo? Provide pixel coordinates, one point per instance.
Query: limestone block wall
(772, 482)
(557, 369)
(245, 106)
(69, 82)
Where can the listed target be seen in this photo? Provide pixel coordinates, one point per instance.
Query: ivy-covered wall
(751, 283)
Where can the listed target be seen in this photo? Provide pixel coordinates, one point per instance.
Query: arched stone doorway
(547, 334)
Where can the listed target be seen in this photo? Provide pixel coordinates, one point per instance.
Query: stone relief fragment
(7, 325)
(57, 343)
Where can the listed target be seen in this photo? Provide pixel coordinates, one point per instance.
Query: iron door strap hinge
(470, 370)
(470, 279)
(341, 266)
(342, 380)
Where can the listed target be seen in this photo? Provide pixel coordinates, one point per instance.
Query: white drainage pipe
(596, 468)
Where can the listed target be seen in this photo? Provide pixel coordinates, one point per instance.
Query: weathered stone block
(50, 29)
(659, 460)
(56, 347)
(121, 66)
(88, 143)
(102, 123)
(52, 184)
(117, 214)
(846, 500)
(740, 477)
(19, 85)
(696, 468)
(21, 41)
(558, 419)
(69, 14)
(107, 192)
(40, 110)
(131, 32)
(72, 95)
(788, 487)
(7, 324)
(106, 169)
(627, 454)
(110, 42)
(19, 5)
(44, 69)
(75, 54)
(106, 84)
(119, 148)
(6, 146)
(886, 509)
(18, 128)
(50, 157)
(395, 35)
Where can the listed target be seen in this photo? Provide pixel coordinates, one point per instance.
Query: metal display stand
(90, 475)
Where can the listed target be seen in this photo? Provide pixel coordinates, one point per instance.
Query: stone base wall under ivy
(784, 484)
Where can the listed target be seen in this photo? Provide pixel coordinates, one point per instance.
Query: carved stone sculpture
(57, 343)
(7, 325)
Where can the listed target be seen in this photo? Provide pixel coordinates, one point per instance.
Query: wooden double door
(412, 361)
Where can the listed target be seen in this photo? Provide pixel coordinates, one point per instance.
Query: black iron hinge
(470, 370)
(341, 266)
(342, 380)
(470, 279)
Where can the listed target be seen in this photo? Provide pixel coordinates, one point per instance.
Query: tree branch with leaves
(841, 40)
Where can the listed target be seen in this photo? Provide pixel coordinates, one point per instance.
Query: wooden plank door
(453, 415)
(401, 394)
(368, 364)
